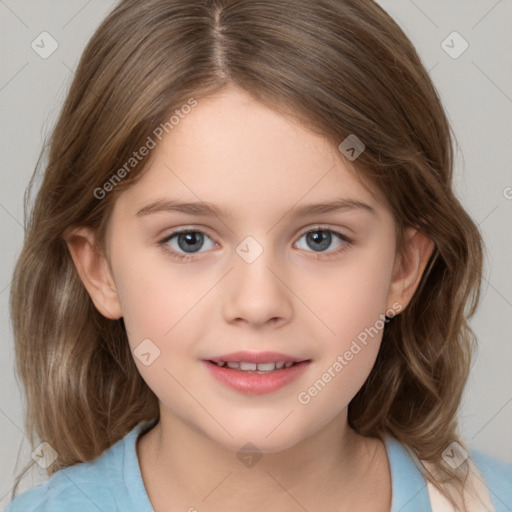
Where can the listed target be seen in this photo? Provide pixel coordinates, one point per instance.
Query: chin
(251, 441)
(267, 436)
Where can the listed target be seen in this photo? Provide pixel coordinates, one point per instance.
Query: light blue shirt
(113, 482)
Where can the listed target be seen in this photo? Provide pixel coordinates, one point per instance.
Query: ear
(94, 271)
(409, 266)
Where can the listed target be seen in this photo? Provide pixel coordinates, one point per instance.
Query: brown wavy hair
(339, 67)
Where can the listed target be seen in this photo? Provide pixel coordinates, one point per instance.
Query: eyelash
(163, 244)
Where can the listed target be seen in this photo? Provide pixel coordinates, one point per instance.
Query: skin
(238, 154)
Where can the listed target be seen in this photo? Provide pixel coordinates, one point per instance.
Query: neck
(195, 469)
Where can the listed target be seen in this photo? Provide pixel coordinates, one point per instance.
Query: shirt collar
(409, 487)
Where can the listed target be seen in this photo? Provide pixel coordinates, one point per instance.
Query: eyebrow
(206, 209)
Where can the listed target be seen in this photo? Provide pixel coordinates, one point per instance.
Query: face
(265, 274)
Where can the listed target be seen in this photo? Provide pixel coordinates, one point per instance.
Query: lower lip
(252, 383)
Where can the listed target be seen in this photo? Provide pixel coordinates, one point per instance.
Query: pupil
(321, 241)
(188, 241)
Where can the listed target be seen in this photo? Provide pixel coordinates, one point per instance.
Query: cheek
(162, 313)
(350, 297)
(364, 301)
(157, 295)
(352, 303)
(346, 358)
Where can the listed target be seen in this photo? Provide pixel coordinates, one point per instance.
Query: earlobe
(94, 272)
(409, 267)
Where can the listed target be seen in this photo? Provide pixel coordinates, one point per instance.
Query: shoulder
(62, 493)
(498, 478)
(407, 479)
(81, 487)
(87, 486)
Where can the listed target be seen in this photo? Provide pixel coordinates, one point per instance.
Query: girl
(246, 280)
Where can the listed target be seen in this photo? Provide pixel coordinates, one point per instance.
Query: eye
(187, 240)
(186, 243)
(320, 239)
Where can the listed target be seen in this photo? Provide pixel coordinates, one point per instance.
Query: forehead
(235, 152)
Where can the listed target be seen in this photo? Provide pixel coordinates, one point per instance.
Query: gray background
(475, 87)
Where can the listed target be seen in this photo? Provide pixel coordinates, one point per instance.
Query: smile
(256, 367)
(256, 378)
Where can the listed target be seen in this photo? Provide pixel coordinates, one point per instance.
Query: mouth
(256, 373)
(259, 368)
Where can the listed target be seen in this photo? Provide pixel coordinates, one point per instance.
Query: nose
(258, 292)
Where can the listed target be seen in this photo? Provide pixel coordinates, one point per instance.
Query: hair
(338, 67)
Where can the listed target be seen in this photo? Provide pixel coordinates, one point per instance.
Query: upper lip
(256, 357)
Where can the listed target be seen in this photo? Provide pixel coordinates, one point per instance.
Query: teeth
(248, 366)
(266, 367)
(263, 367)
